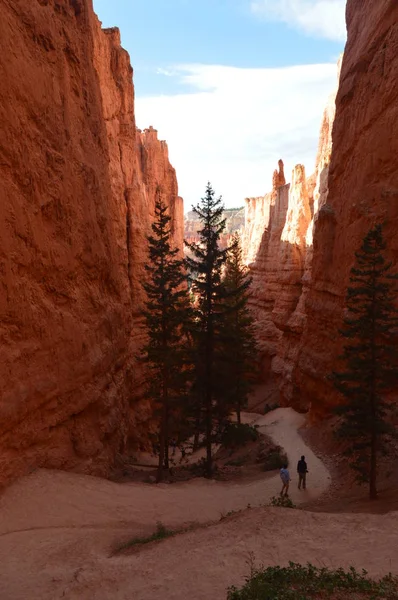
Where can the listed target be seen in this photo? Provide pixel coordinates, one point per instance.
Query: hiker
(302, 472)
(285, 476)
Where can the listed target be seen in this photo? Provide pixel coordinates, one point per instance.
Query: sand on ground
(57, 532)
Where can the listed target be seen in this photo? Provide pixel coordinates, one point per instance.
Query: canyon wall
(274, 245)
(363, 188)
(78, 184)
(300, 243)
(277, 244)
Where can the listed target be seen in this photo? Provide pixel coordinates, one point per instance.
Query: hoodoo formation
(78, 183)
(362, 182)
(277, 243)
(300, 240)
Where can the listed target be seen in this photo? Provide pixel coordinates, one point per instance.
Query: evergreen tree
(206, 264)
(167, 317)
(370, 358)
(240, 353)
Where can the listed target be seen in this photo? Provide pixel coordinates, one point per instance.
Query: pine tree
(205, 265)
(370, 358)
(240, 353)
(167, 316)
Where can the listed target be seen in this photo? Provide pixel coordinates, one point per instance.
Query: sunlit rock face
(355, 185)
(278, 247)
(361, 184)
(275, 248)
(77, 193)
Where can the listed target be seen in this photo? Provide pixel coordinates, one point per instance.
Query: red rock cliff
(77, 191)
(363, 187)
(274, 243)
(277, 244)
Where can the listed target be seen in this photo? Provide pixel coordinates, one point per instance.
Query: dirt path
(57, 529)
(282, 426)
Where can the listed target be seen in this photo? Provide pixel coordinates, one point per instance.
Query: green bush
(199, 469)
(238, 434)
(275, 460)
(282, 501)
(160, 534)
(297, 582)
(236, 462)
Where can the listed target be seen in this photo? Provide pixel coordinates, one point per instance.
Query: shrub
(297, 582)
(238, 434)
(275, 460)
(236, 462)
(160, 534)
(282, 501)
(199, 469)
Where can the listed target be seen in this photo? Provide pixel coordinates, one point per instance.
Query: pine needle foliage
(206, 265)
(167, 315)
(370, 359)
(240, 352)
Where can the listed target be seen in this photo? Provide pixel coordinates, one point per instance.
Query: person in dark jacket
(302, 472)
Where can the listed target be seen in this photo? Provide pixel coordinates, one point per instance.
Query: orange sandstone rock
(362, 188)
(77, 192)
(278, 247)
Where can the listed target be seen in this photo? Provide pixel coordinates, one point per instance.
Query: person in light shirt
(285, 476)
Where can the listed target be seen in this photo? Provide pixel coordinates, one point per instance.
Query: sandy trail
(57, 530)
(282, 426)
(58, 499)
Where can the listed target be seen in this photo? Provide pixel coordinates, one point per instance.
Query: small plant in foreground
(298, 582)
(282, 501)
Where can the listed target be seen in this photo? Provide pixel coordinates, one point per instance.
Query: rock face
(277, 243)
(78, 183)
(301, 243)
(363, 187)
(274, 244)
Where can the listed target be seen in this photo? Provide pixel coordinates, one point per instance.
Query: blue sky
(232, 85)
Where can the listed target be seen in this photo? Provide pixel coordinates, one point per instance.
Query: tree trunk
(162, 437)
(166, 454)
(209, 460)
(164, 431)
(238, 413)
(197, 433)
(373, 401)
(373, 467)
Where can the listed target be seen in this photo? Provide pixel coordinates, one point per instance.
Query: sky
(231, 85)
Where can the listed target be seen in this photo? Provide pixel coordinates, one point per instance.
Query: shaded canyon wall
(78, 183)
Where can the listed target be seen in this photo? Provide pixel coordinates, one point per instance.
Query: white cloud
(321, 18)
(237, 123)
